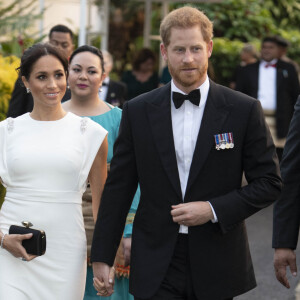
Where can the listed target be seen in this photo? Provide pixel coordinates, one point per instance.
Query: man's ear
(163, 51)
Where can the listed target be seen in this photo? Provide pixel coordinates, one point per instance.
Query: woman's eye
(41, 77)
(59, 75)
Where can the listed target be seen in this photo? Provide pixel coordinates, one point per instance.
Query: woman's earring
(28, 90)
(100, 89)
(68, 87)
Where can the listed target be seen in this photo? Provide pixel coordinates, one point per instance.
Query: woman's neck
(91, 106)
(48, 113)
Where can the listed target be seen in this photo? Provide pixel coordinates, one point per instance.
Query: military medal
(227, 141)
(217, 141)
(231, 144)
(222, 141)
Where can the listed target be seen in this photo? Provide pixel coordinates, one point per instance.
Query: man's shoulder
(232, 96)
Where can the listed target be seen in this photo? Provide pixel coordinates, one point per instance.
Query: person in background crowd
(113, 92)
(165, 76)
(187, 144)
(275, 83)
(86, 75)
(248, 56)
(283, 46)
(46, 158)
(143, 77)
(21, 101)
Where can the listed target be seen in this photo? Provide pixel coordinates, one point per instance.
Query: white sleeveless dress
(44, 166)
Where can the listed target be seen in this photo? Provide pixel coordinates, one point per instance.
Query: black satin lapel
(280, 74)
(212, 123)
(161, 125)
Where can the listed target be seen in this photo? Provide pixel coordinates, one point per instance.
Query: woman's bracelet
(2, 240)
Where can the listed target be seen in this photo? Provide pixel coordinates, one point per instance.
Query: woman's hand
(13, 244)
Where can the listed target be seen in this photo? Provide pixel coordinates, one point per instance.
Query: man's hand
(126, 243)
(103, 278)
(192, 213)
(284, 257)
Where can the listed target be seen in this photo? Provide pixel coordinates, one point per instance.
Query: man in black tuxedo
(189, 238)
(286, 218)
(275, 83)
(21, 102)
(113, 92)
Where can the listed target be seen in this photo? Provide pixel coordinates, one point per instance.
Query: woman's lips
(82, 86)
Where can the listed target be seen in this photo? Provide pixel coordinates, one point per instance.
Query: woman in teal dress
(86, 73)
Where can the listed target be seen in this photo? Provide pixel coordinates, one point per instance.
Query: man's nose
(188, 57)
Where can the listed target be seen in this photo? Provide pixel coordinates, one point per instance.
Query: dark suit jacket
(286, 218)
(21, 102)
(288, 89)
(116, 93)
(144, 152)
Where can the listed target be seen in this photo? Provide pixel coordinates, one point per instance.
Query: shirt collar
(272, 62)
(106, 80)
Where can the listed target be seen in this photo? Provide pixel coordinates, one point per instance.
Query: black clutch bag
(37, 244)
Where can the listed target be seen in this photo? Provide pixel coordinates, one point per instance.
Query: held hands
(13, 244)
(126, 244)
(103, 278)
(192, 213)
(284, 257)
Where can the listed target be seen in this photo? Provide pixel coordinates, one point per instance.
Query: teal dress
(111, 122)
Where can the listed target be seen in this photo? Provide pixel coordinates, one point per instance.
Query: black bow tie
(194, 97)
(104, 83)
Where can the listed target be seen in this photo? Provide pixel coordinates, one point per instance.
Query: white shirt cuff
(215, 219)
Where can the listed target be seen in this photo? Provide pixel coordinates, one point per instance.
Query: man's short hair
(61, 28)
(186, 17)
(270, 39)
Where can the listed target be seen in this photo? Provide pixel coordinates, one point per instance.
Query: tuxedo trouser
(177, 284)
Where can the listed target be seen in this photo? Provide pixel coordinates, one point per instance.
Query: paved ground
(260, 238)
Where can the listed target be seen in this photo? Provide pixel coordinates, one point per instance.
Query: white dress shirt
(104, 89)
(186, 122)
(267, 85)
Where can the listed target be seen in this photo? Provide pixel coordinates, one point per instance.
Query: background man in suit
(113, 92)
(189, 239)
(286, 217)
(275, 83)
(21, 102)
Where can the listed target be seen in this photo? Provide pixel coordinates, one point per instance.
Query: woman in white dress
(46, 158)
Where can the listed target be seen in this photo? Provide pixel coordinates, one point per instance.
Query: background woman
(143, 77)
(46, 157)
(86, 74)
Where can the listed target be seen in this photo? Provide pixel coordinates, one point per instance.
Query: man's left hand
(192, 213)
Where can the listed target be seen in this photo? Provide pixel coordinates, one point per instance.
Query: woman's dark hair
(34, 53)
(142, 55)
(92, 49)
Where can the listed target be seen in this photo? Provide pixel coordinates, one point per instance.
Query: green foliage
(15, 19)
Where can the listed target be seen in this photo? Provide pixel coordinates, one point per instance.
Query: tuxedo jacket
(144, 152)
(286, 217)
(21, 102)
(116, 93)
(287, 91)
